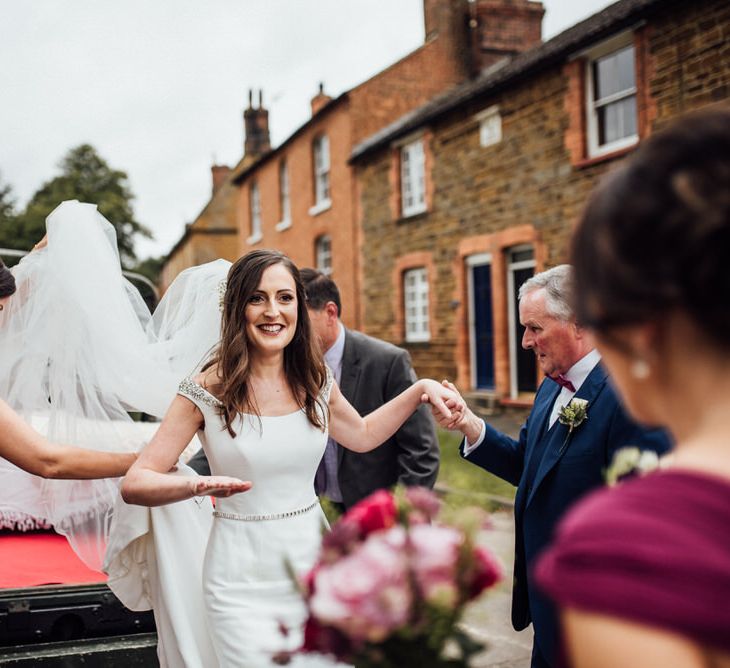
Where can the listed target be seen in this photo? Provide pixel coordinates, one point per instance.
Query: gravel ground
(488, 620)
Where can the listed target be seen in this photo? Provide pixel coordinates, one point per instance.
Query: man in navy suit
(551, 467)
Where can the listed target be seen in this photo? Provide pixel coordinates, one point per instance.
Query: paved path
(488, 620)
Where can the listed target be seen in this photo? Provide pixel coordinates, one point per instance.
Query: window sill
(413, 217)
(283, 225)
(254, 239)
(424, 343)
(319, 207)
(604, 157)
(413, 213)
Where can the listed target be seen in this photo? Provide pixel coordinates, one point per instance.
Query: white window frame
(416, 297)
(255, 211)
(615, 44)
(321, 168)
(490, 126)
(323, 254)
(512, 309)
(284, 197)
(413, 177)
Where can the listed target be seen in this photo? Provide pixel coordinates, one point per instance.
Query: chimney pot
(320, 99)
(256, 127)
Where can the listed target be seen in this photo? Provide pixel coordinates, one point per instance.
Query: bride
(263, 404)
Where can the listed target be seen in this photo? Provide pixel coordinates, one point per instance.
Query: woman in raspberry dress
(641, 571)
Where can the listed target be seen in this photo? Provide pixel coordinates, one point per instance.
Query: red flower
(325, 640)
(487, 571)
(373, 513)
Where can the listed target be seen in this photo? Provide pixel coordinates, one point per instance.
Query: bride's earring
(640, 369)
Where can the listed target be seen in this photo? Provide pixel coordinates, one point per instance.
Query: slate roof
(614, 18)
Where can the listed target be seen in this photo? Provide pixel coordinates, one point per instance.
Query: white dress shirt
(577, 375)
(333, 359)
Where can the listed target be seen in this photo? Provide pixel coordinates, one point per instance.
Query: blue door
(483, 334)
(526, 362)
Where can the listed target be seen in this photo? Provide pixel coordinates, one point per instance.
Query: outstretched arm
(360, 434)
(147, 482)
(27, 449)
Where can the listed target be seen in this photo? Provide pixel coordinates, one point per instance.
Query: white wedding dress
(260, 537)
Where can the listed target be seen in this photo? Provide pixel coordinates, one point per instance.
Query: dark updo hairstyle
(7, 281)
(655, 236)
(303, 364)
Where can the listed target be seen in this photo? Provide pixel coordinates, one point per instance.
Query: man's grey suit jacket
(373, 372)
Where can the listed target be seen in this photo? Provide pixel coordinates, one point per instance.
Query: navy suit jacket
(562, 473)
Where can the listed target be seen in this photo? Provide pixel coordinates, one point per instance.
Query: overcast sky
(158, 87)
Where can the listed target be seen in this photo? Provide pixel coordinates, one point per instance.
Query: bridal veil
(81, 357)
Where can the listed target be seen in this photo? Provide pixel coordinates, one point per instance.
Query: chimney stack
(502, 29)
(220, 174)
(256, 126)
(444, 17)
(319, 100)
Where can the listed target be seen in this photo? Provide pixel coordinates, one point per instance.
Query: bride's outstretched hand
(219, 486)
(446, 403)
(455, 405)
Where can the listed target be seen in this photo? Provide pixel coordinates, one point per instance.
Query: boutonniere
(630, 462)
(572, 415)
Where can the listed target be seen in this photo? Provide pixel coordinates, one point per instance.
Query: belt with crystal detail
(268, 516)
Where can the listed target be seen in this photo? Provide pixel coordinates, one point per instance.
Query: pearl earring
(640, 369)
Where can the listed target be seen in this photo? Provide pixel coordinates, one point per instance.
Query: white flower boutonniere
(572, 415)
(631, 461)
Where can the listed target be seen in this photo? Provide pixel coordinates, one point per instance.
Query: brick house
(214, 233)
(466, 197)
(302, 197)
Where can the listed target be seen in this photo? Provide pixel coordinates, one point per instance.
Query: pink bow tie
(564, 382)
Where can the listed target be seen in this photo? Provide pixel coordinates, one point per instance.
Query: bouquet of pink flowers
(392, 583)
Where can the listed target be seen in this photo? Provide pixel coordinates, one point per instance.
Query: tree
(9, 224)
(87, 177)
(150, 267)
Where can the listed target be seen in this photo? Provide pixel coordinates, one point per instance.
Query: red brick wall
(529, 188)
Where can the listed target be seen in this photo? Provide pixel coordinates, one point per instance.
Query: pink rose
(435, 554)
(373, 513)
(425, 505)
(366, 594)
(487, 571)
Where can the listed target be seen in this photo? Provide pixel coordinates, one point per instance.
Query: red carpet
(38, 558)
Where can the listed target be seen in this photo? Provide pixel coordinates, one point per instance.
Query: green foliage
(465, 484)
(150, 267)
(87, 177)
(9, 224)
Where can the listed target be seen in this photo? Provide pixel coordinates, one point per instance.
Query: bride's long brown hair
(303, 364)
